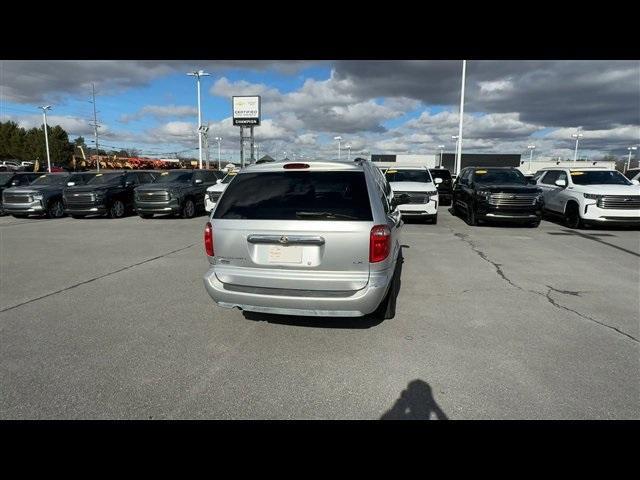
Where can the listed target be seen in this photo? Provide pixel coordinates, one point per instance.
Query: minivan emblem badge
(284, 239)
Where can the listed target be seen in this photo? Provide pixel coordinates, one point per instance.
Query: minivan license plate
(288, 254)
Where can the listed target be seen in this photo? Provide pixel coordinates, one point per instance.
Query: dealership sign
(246, 110)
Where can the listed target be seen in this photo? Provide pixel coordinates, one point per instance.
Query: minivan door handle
(286, 239)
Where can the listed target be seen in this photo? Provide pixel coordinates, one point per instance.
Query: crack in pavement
(586, 317)
(465, 238)
(547, 295)
(566, 292)
(96, 278)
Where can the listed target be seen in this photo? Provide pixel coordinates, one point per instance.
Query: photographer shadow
(416, 402)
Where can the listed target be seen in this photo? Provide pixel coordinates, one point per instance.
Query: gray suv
(317, 239)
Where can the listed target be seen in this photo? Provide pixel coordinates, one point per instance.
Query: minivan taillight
(208, 239)
(379, 243)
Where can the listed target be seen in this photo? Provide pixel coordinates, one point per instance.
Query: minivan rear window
(308, 195)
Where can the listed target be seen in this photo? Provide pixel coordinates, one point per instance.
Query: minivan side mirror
(635, 182)
(437, 180)
(561, 183)
(219, 181)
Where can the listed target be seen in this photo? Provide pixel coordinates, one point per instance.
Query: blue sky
(377, 107)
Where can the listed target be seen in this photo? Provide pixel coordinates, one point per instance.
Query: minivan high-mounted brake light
(295, 166)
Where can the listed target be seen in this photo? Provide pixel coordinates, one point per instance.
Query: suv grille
(73, 198)
(513, 199)
(157, 196)
(18, 198)
(620, 202)
(415, 197)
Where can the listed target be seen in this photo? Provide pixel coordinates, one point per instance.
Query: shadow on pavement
(314, 322)
(416, 402)
(591, 227)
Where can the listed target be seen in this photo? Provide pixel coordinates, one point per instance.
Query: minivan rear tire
(387, 308)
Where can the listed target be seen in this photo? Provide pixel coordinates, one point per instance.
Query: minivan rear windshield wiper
(328, 215)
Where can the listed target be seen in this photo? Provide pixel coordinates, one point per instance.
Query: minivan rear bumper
(321, 304)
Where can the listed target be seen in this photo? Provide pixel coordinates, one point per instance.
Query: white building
(540, 164)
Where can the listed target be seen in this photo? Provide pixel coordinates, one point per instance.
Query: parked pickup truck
(178, 192)
(107, 193)
(43, 196)
(14, 179)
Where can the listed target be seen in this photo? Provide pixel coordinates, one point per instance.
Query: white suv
(589, 195)
(418, 184)
(213, 193)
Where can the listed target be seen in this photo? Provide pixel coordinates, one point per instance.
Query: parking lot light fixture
(531, 149)
(198, 74)
(441, 147)
(459, 149)
(455, 158)
(219, 139)
(577, 136)
(339, 139)
(631, 149)
(46, 134)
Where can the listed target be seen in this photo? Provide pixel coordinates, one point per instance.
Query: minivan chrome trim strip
(286, 239)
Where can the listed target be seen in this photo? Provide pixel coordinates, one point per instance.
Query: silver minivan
(316, 238)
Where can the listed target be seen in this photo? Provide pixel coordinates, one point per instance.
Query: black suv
(445, 189)
(108, 192)
(496, 193)
(176, 192)
(14, 179)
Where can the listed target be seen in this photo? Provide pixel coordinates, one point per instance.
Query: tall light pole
(459, 155)
(219, 139)
(95, 126)
(348, 147)
(629, 157)
(204, 129)
(339, 139)
(441, 147)
(198, 74)
(531, 149)
(577, 136)
(455, 158)
(46, 134)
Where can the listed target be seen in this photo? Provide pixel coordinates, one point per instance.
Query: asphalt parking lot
(109, 319)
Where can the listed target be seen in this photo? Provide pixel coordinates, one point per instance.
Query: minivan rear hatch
(294, 229)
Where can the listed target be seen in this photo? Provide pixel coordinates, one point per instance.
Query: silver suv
(317, 238)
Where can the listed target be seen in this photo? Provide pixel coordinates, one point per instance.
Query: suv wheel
(572, 216)
(116, 210)
(188, 209)
(55, 209)
(471, 216)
